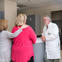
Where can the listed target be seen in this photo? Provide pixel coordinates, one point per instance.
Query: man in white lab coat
(51, 38)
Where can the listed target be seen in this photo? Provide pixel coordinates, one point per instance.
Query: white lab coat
(52, 41)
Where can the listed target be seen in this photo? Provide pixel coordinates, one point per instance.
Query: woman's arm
(15, 34)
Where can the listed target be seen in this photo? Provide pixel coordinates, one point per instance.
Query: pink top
(22, 48)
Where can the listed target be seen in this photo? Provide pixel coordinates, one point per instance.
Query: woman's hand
(23, 26)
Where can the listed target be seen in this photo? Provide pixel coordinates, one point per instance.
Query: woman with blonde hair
(22, 48)
(5, 43)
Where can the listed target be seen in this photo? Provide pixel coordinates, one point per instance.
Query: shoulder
(30, 28)
(4, 32)
(54, 25)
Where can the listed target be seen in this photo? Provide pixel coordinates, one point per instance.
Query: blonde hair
(21, 18)
(3, 25)
(25, 16)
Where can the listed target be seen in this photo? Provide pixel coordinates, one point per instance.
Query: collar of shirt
(49, 24)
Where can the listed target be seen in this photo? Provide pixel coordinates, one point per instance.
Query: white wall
(1, 5)
(10, 10)
(43, 11)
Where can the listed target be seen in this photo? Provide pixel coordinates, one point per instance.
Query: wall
(43, 11)
(10, 10)
(1, 5)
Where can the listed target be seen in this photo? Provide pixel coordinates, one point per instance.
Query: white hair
(48, 18)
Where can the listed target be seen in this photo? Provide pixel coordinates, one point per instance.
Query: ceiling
(37, 3)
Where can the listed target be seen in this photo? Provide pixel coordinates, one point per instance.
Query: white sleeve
(15, 34)
(53, 33)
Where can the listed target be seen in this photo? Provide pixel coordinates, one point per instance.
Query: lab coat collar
(49, 24)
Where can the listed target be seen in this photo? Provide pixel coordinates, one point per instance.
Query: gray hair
(49, 18)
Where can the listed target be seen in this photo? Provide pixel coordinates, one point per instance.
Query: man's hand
(43, 38)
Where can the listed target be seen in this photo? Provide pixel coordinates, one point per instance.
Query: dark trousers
(31, 59)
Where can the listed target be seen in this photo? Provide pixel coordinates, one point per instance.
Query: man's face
(46, 20)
